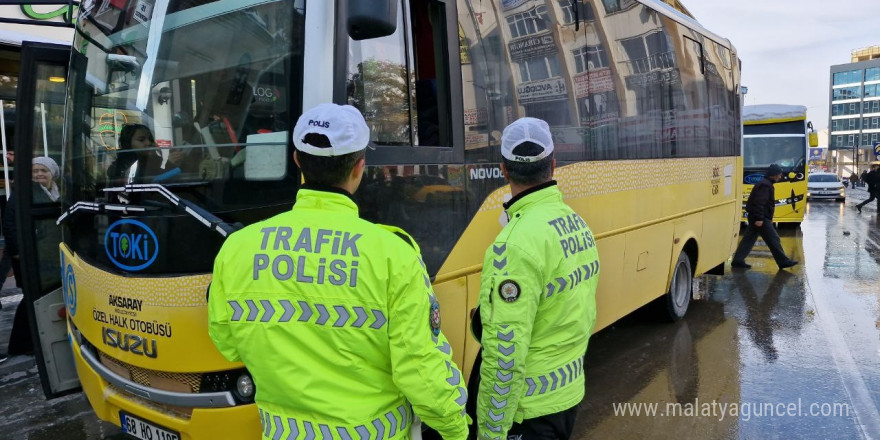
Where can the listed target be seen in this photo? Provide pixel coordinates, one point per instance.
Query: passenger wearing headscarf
(45, 173)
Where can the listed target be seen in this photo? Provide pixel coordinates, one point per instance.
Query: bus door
(36, 194)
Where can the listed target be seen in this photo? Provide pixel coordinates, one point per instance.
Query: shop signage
(662, 77)
(532, 46)
(545, 90)
(593, 82)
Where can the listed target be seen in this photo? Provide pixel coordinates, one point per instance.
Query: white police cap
(343, 125)
(526, 130)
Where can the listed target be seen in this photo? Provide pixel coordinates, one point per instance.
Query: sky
(787, 47)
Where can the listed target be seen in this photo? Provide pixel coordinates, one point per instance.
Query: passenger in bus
(760, 208)
(537, 301)
(139, 161)
(45, 173)
(349, 329)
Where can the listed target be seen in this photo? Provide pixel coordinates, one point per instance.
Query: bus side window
(399, 83)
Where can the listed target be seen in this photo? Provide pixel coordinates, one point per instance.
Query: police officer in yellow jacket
(334, 316)
(537, 299)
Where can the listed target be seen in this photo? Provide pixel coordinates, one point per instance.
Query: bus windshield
(197, 97)
(787, 152)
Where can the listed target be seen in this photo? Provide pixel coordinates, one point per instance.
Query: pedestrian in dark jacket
(760, 208)
(873, 181)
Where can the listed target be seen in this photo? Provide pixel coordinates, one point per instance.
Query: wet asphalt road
(796, 353)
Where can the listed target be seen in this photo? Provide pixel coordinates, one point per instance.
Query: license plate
(144, 430)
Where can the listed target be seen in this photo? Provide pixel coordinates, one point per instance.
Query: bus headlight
(244, 387)
(237, 382)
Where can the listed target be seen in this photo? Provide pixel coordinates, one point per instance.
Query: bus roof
(681, 18)
(773, 113)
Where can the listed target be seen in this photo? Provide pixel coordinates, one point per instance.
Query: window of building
(854, 92)
(567, 11)
(612, 6)
(649, 52)
(852, 108)
(870, 107)
(536, 69)
(844, 140)
(872, 91)
(870, 123)
(845, 124)
(528, 22)
(586, 11)
(870, 138)
(850, 77)
(589, 58)
(872, 74)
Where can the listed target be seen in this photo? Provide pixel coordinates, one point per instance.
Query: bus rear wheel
(680, 289)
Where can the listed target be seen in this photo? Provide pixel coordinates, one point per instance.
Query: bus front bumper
(108, 401)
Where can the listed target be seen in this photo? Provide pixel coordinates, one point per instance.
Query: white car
(825, 186)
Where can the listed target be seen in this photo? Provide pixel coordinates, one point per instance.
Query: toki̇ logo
(131, 245)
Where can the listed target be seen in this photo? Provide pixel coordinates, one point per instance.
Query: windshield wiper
(99, 207)
(202, 215)
(196, 211)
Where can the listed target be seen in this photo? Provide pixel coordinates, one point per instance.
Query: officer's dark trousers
(556, 426)
(770, 236)
(875, 195)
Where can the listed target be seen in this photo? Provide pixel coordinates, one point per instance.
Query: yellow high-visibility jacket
(537, 307)
(336, 320)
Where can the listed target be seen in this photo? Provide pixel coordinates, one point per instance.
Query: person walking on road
(335, 317)
(873, 181)
(535, 325)
(760, 208)
(853, 180)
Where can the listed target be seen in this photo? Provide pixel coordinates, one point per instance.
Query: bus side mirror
(371, 18)
(814, 139)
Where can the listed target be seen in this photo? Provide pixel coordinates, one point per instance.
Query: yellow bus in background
(778, 134)
(643, 103)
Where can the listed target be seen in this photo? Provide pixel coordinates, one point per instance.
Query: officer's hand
(759, 223)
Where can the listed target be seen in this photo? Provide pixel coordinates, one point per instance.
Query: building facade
(854, 114)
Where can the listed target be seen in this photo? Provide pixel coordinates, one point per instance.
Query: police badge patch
(434, 316)
(509, 291)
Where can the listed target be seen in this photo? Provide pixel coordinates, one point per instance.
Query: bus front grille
(161, 380)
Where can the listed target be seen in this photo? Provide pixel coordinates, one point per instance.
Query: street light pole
(855, 161)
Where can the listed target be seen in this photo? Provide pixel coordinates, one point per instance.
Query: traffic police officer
(334, 316)
(537, 299)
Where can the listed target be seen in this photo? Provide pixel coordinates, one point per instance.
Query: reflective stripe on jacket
(538, 307)
(336, 319)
